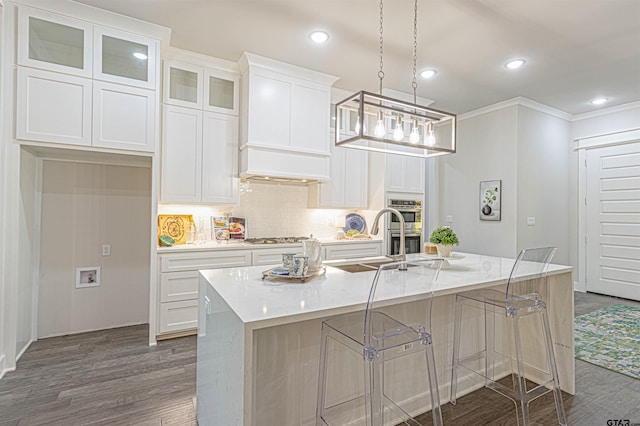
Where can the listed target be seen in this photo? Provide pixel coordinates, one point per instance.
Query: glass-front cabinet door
(221, 91)
(182, 84)
(54, 42)
(124, 58)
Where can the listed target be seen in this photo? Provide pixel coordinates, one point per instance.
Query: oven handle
(413, 234)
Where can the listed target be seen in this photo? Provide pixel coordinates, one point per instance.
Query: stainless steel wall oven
(411, 211)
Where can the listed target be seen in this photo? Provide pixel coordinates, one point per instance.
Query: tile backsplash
(272, 210)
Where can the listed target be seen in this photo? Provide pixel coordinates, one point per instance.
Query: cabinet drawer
(174, 262)
(352, 251)
(272, 256)
(178, 316)
(175, 286)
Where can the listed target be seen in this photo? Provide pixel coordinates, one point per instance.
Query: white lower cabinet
(272, 256)
(352, 251)
(179, 277)
(178, 292)
(178, 316)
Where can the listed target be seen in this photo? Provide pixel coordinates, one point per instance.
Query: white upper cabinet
(404, 174)
(199, 157)
(349, 168)
(183, 84)
(54, 42)
(220, 159)
(53, 107)
(82, 84)
(181, 155)
(199, 87)
(124, 58)
(123, 117)
(221, 92)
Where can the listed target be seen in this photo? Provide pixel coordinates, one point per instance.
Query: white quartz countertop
(267, 303)
(241, 245)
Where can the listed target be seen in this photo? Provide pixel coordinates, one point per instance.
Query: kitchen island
(259, 341)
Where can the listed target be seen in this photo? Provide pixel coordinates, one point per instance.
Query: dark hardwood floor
(112, 377)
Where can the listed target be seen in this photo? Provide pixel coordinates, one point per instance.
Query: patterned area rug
(610, 338)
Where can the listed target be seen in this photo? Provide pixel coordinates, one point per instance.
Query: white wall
(27, 252)
(611, 120)
(529, 151)
(83, 207)
(544, 147)
(486, 150)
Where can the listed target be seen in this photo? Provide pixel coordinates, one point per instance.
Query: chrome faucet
(402, 256)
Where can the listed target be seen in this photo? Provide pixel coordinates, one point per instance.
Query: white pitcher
(313, 250)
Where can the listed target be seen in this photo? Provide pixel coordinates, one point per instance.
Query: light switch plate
(106, 250)
(531, 221)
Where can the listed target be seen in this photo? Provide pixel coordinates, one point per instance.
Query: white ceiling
(576, 50)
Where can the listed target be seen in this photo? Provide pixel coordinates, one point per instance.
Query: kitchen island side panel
(220, 369)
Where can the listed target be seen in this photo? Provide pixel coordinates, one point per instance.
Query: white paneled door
(613, 221)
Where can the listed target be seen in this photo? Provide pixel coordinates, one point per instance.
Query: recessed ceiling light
(319, 36)
(428, 73)
(599, 101)
(515, 64)
(140, 55)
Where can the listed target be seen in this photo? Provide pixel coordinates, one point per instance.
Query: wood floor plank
(112, 377)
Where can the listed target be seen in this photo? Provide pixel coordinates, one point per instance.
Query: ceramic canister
(287, 261)
(300, 266)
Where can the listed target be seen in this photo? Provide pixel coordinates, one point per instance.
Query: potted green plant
(444, 238)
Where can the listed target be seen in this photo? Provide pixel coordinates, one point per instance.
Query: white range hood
(285, 121)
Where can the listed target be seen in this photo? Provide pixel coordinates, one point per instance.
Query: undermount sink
(364, 267)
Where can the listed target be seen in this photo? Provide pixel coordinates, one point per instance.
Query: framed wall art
(490, 200)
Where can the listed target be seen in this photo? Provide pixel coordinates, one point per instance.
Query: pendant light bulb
(414, 136)
(380, 131)
(398, 133)
(357, 127)
(430, 138)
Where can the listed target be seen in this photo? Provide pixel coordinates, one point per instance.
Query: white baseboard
(88, 330)
(3, 367)
(24, 349)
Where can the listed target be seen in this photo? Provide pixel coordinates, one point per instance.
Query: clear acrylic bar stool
(373, 339)
(524, 297)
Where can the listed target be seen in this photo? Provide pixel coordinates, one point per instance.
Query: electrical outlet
(449, 220)
(106, 250)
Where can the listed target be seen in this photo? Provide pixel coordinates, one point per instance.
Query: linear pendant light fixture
(379, 123)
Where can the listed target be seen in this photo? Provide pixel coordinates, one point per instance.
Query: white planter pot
(444, 250)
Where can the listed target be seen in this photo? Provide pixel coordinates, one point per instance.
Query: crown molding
(521, 101)
(606, 111)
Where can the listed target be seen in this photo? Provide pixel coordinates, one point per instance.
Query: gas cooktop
(275, 240)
